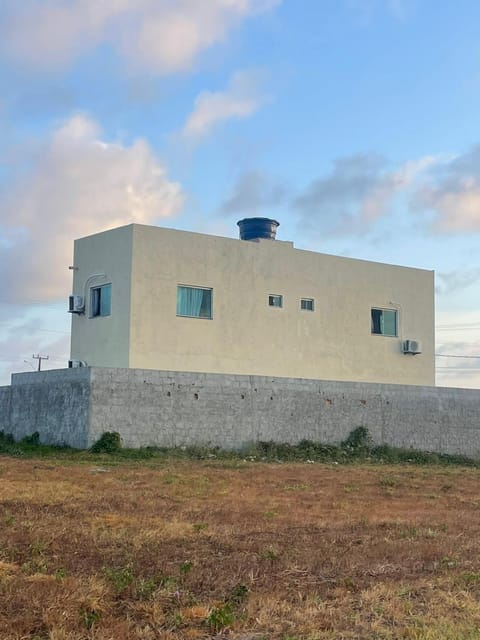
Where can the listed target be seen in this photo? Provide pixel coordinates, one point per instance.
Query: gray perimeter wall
(5, 395)
(173, 409)
(54, 403)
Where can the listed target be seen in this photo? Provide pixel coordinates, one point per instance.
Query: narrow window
(194, 302)
(275, 300)
(306, 304)
(384, 322)
(101, 300)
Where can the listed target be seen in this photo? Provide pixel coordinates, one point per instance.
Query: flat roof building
(154, 298)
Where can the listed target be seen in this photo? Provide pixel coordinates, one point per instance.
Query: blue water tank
(255, 228)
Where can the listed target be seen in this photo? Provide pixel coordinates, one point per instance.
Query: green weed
(221, 617)
(470, 579)
(388, 481)
(239, 594)
(89, 617)
(146, 587)
(357, 447)
(270, 554)
(33, 440)
(186, 567)
(120, 578)
(358, 440)
(109, 442)
(60, 574)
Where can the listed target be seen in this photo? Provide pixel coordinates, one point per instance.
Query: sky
(352, 122)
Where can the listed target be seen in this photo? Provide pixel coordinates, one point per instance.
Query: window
(384, 322)
(275, 301)
(306, 304)
(100, 300)
(194, 302)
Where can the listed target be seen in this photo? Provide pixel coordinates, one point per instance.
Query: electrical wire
(449, 355)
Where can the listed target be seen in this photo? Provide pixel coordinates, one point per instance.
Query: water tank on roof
(255, 228)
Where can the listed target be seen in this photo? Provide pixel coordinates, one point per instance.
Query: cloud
(76, 184)
(240, 99)
(456, 281)
(362, 188)
(452, 193)
(253, 193)
(157, 35)
(355, 193)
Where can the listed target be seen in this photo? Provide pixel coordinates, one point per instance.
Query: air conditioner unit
(413, 347)
(76, 304)
(74, 364)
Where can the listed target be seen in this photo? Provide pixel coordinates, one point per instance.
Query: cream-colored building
(154, 298)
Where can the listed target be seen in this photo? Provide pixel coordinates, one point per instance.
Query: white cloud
(240, 99)
(77, 185)
(163, 36)
(452, 192)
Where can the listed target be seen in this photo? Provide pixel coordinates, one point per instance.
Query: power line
(63, 333)
(17, 358)
(458, 324)
(66, 333)
(448, 355)
(452, 329)
(463, 370)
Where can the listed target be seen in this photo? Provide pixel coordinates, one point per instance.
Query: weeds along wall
(162, 408)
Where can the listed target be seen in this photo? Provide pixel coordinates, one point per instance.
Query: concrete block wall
(165, 408)
(172, 409)
(5, 396)
(54, 403)
(169, 408)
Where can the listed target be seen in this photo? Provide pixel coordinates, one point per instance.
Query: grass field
(228, 548)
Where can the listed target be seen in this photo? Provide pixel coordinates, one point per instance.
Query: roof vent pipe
(255, 228)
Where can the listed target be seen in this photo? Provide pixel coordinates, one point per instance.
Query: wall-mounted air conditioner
(74, 363)
(76, 304)
(413, 347)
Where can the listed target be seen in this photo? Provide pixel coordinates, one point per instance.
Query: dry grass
(185, 550)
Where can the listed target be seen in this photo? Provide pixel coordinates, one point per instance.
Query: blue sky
(353, 122)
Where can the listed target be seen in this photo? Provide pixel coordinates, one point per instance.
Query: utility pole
(39, 358)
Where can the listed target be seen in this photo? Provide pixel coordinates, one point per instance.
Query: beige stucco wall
(102, 340)
(246, 336)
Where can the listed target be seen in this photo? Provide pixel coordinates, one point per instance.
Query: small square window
(275, 300)
(100, 300)
(194, 302)
(306, 304)
(384, 322)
